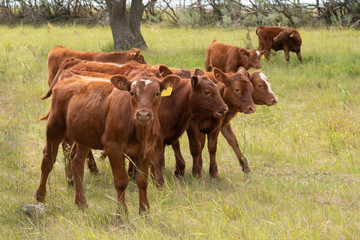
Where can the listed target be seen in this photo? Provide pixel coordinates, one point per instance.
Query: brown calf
(97, 115)
(278, 38)
(229, 58)
(76, 65)
(236, 90)
(59, 53)
(197, 98)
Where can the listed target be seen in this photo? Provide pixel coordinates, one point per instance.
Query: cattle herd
(117, 103)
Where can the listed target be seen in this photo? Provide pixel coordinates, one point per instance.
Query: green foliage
(304, 152)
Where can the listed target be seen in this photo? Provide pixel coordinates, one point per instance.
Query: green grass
(304, 152)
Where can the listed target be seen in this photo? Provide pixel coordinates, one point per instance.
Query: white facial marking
(263, 77)
(133, 83)
(258, 53)
(147, 82)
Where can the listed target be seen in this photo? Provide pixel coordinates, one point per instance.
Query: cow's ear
(141, 58)
(194, 81)
(164, 71)
(199, 72)
(168, 84)
(243, 71)
(136, 52)
(220, 76)
(291, 33)
(245, 52)
(121, 82)
(263, 52)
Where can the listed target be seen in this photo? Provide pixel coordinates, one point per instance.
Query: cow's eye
(158, 93)
(132, 93)
(206, 92)
(237, 90)
(259, 85)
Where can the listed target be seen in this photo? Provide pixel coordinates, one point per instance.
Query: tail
(258, 28)
(43, 118)
(69, 62)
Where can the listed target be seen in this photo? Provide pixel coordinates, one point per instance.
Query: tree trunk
(125, 26)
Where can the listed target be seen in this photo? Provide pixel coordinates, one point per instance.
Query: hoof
(179, 173)
(40, 199)
(214, 175)
(196, 174)
(159, 183)
(247, 171)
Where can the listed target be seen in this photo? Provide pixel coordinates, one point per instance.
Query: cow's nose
(258, 67)
(252, 109)
(222, 111)
(275, 101)
(225, 109)
(143, 115)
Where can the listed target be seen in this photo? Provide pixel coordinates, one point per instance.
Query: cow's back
(219, 53)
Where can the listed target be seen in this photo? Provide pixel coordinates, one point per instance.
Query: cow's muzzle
(143, 115)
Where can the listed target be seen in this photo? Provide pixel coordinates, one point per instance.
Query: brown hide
(198, 98)
(278, 38)
(59, 53)
(236, 90)
(96, 67)
(229, 58)
(120, 119)
(262, 94)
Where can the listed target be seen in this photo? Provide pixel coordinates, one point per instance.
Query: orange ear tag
(166, 92)
(291, 35)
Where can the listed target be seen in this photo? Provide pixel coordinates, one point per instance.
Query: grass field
(304, 152)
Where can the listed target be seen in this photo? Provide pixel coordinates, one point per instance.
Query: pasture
(303, 152)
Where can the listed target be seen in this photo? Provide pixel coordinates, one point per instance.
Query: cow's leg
(155, 163)
(141, 177)
(299, 57)
(68, 165)
(267, 54)
(202, 139)
(180, 162)
(90, 160)
(77, 165)
(229, 135)
(287, 55)
(54, 136)
(195, 149)
(68, 152)
(212, 145)
(121, 180)
(207, 63)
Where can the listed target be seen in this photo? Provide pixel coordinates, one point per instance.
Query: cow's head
(238, 90)
(146, 91)
(253, 58)
(205, 98)
(135, 53)
(262, 94)
(284, 36)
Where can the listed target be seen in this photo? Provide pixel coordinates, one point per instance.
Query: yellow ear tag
(134, 53)
(166, 92)
(262, 56)
(291, 35)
